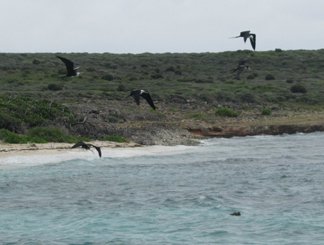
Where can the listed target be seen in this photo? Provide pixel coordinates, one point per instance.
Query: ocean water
(169, 195)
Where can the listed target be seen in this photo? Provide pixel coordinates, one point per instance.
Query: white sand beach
(23, 155)
(34, 154)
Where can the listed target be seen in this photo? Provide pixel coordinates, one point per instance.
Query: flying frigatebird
(136, 94)
(251, 36)
(87, 147)
(71, 70)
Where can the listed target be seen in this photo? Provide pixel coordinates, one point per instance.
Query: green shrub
(204, 80)
(9, 122)
(132, 78)
(170, 69)
(54, 87)
(108, 77)
(49, 134)
(121, 87)
(269, 77)
(114, 138)
(247, 98)
(91, 69)
(38, 135)
(298, 88)
(226, 112)
(36, 62)
(156, 76)
(22, 112)
(266, 111)
(252, 76)
(12, 138)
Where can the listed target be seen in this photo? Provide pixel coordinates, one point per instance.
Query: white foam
(156, 150)
(25, 159)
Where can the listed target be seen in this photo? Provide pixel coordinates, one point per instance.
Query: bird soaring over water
(87, 147)
(136, 94)
(71, 70)
(251, 36)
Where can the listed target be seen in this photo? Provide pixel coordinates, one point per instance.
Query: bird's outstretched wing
(136, 95)
(245, 35)
(136, 98)
(87, 147)
(71, 70)
(253, 40)
(148, 98)
(81, 144)
(97, 148)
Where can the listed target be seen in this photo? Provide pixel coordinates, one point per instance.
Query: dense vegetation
(191, 86)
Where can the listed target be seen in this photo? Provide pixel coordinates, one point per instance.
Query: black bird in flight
(246, 35)
(71, 70)
(136, 94)
(87, 147)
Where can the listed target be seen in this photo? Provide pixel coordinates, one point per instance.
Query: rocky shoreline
(190, 136)
(177, 128)
(191, 132)
(228, 132)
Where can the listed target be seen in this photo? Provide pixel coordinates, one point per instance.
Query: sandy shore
(7, 150)
(26, 155)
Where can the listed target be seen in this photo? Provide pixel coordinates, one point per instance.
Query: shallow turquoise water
(172, 197)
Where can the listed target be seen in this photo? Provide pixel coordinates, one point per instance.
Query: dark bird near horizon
(71, 70)
(136, 94)
(248, 35)
(87, 147)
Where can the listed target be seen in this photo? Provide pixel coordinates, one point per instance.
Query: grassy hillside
(193, 87)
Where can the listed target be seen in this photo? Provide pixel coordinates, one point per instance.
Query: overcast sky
(158, 26)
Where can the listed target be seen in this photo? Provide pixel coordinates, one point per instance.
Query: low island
(196, 95)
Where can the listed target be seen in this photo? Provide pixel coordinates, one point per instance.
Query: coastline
(290, 123)
(242, 131)
(194, 99)
(27, 155)
(5, 147)
(189, 133)
(32, 149)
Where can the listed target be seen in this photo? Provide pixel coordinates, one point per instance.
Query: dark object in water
(237, 213)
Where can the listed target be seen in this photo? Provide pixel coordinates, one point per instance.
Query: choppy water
(163, 195)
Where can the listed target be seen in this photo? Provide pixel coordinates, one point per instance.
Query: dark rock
(236, 213)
